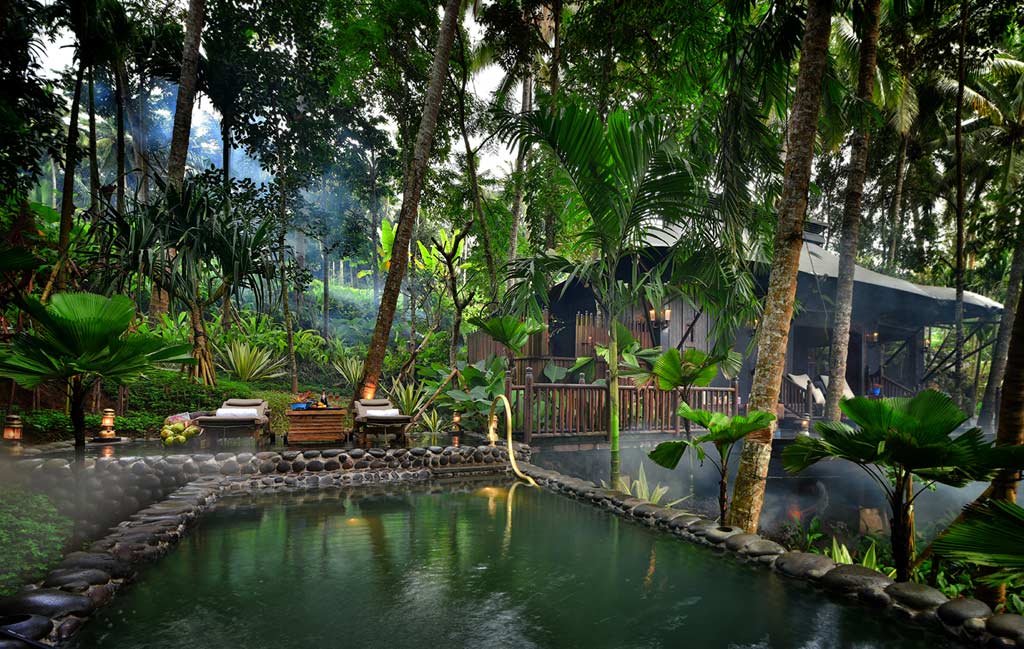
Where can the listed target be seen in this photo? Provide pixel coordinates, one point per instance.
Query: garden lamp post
(107, 432)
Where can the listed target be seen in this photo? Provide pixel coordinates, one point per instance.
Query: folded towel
(240, 413)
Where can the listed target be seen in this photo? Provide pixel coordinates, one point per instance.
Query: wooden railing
(893, 389)
(566, 409)
(797, 401)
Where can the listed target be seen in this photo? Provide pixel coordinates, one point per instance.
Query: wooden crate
(317, 425)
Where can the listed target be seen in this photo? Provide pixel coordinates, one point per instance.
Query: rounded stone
(267, 467)
(957, 611)
(377, 452)
(332, 465)
(849, 578)
(804, 565)
(298, 466)
(290, 455)
(229, 467)
(331, 452)
(66, 576)
(284, 466)
(721, 533)
(97, 560)
(738, 542)
(310, 454)
(418, 451)
(700, 526)
(47, 602)
(33, 627)
(436, 450)
(1006, 625)
(916, 596)
(315, 465)
(244, 457)
(356, 453)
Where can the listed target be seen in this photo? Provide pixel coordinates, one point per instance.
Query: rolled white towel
(241, 413)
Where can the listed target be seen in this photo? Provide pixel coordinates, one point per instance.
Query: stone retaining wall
(969, 620)
(167, 495)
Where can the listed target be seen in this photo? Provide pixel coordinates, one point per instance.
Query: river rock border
(968, 620)
(54, 609)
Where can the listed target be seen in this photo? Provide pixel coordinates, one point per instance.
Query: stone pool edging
(968, 620)
(58, 605)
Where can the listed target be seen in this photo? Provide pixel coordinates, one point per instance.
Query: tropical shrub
(80, 338)
(408, 398)
(723, 432)
(250, 364)
(641, 488)
(432, 424)
(171, 392)
(903, 443)
(33, 536)
(350, 369)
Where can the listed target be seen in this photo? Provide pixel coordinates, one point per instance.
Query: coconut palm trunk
(67, 201)
(896, 207)
(958, 351)
(748, 492)
(286, 308)
(997, 371)
(417, 170)
(520, 170)
(187, 82)
(120, 88)
(860, 140)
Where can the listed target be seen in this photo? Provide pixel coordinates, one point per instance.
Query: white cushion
(804, 382)
(241, 413)
(382, 412)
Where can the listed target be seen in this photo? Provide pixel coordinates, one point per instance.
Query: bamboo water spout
(492, 435)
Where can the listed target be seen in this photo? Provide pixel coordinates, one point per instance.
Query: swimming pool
(486, 566)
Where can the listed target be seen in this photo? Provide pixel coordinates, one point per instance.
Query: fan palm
(723, 432)
(898, 441)
(990, 535)
(629, 183)
(509, 331)
(79, 338)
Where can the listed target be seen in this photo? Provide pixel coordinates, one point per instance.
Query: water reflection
(414, 569)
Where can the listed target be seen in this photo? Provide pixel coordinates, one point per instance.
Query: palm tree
(723, 433)
(905, 446)
(187, 84)
(859, 143)
(991, 534)
(80, 338)
(773, 337)
(416, 174)
(629, 182)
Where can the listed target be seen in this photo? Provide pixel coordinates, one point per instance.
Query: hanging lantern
(12, 428)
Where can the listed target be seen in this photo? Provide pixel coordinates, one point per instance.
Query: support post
(809, 401)
(735, 397)
(528, 406)
(607, 404)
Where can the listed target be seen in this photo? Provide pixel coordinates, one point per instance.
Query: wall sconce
(666, 317)
(12, 428)
(872, 337)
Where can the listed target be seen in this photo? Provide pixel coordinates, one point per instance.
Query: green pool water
(466, 568)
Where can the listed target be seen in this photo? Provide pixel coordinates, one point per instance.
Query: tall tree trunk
(225, 155)
(520, 171)
(204, 369)
(997, 370)
(94, 166)
(1011, 426)
(860, 140)
(327, 291)
(614, 470)
(120, 88)
(958, 363)
(186, 93)
(556, 51)
(410, 204)
(896, 207)
(748, 493)
(289, 331)
(67, 201)
(474, 184)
